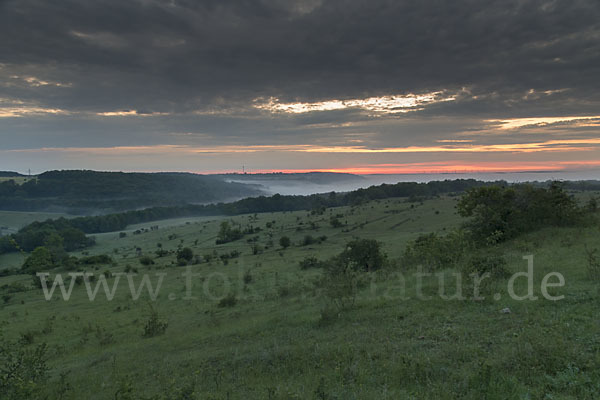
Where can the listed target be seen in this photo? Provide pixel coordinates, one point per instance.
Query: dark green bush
(435, 252)
(310, 262)
(228, 301)
(154, 325)
(185, 254)
(146, 260)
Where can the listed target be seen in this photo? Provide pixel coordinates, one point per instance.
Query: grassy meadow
(19, 180)
(260, 327)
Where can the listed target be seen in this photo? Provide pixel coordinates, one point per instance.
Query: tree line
(496, 207)
(34, 234)
(89, 191)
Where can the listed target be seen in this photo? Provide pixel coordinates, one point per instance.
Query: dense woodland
(83, 192)
(10, 174)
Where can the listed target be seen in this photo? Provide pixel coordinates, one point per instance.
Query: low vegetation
(347, 311)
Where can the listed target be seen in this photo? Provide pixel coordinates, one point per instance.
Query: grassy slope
(19, 180)
(272, 343)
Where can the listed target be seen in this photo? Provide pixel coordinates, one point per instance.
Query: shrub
(283, 291)
(435, 252)
(285, 242)
(97, 259)
(593, 264)
(256, 248)
(185, 254)
(364, 255)
(160, 252)
(228, 301)
(130, 269)
(477, 266)
(146, 260)
(154, 325)
(592, 205)
(340, 283)
(228, 234)
(335, 222)
(27, 338)
(494, 264)
(308, 240)
(14, 287)
(103, 336)
(23, 370)
(247, 277)
(310, 262)
(328, 315)
(500, 213)
(40, 260)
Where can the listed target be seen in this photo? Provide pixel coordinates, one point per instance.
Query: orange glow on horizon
(557, 145)
(436, 168)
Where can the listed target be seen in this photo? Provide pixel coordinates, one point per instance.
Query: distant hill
(88, 192)
(300, 183)
(319, 178)
(10, 174)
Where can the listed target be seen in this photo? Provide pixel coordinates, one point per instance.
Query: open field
(281, 338)
(19, 180)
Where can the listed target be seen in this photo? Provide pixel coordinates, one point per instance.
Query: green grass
(19, 180)
(274, 342)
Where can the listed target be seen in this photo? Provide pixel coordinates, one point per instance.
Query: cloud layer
(374, 75)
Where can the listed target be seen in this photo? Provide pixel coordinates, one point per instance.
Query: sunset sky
(365, 86)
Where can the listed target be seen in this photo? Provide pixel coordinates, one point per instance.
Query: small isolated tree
(363, 255)
(344, 273)
(285, 242)
(335, 222)
(185, 255)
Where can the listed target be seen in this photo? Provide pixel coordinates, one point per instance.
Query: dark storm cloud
(178, 56)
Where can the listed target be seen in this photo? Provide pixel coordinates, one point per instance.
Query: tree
(363, 255)
(500, 213)
(186, 254)
(40, 260)
(228, 234)
(285, 242)
(335, 222)
(55, 244)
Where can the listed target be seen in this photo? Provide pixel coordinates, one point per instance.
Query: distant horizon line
(340, 171)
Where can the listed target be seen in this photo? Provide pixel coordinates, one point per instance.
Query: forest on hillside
(86, 192)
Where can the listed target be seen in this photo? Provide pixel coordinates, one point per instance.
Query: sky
(362, 86)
